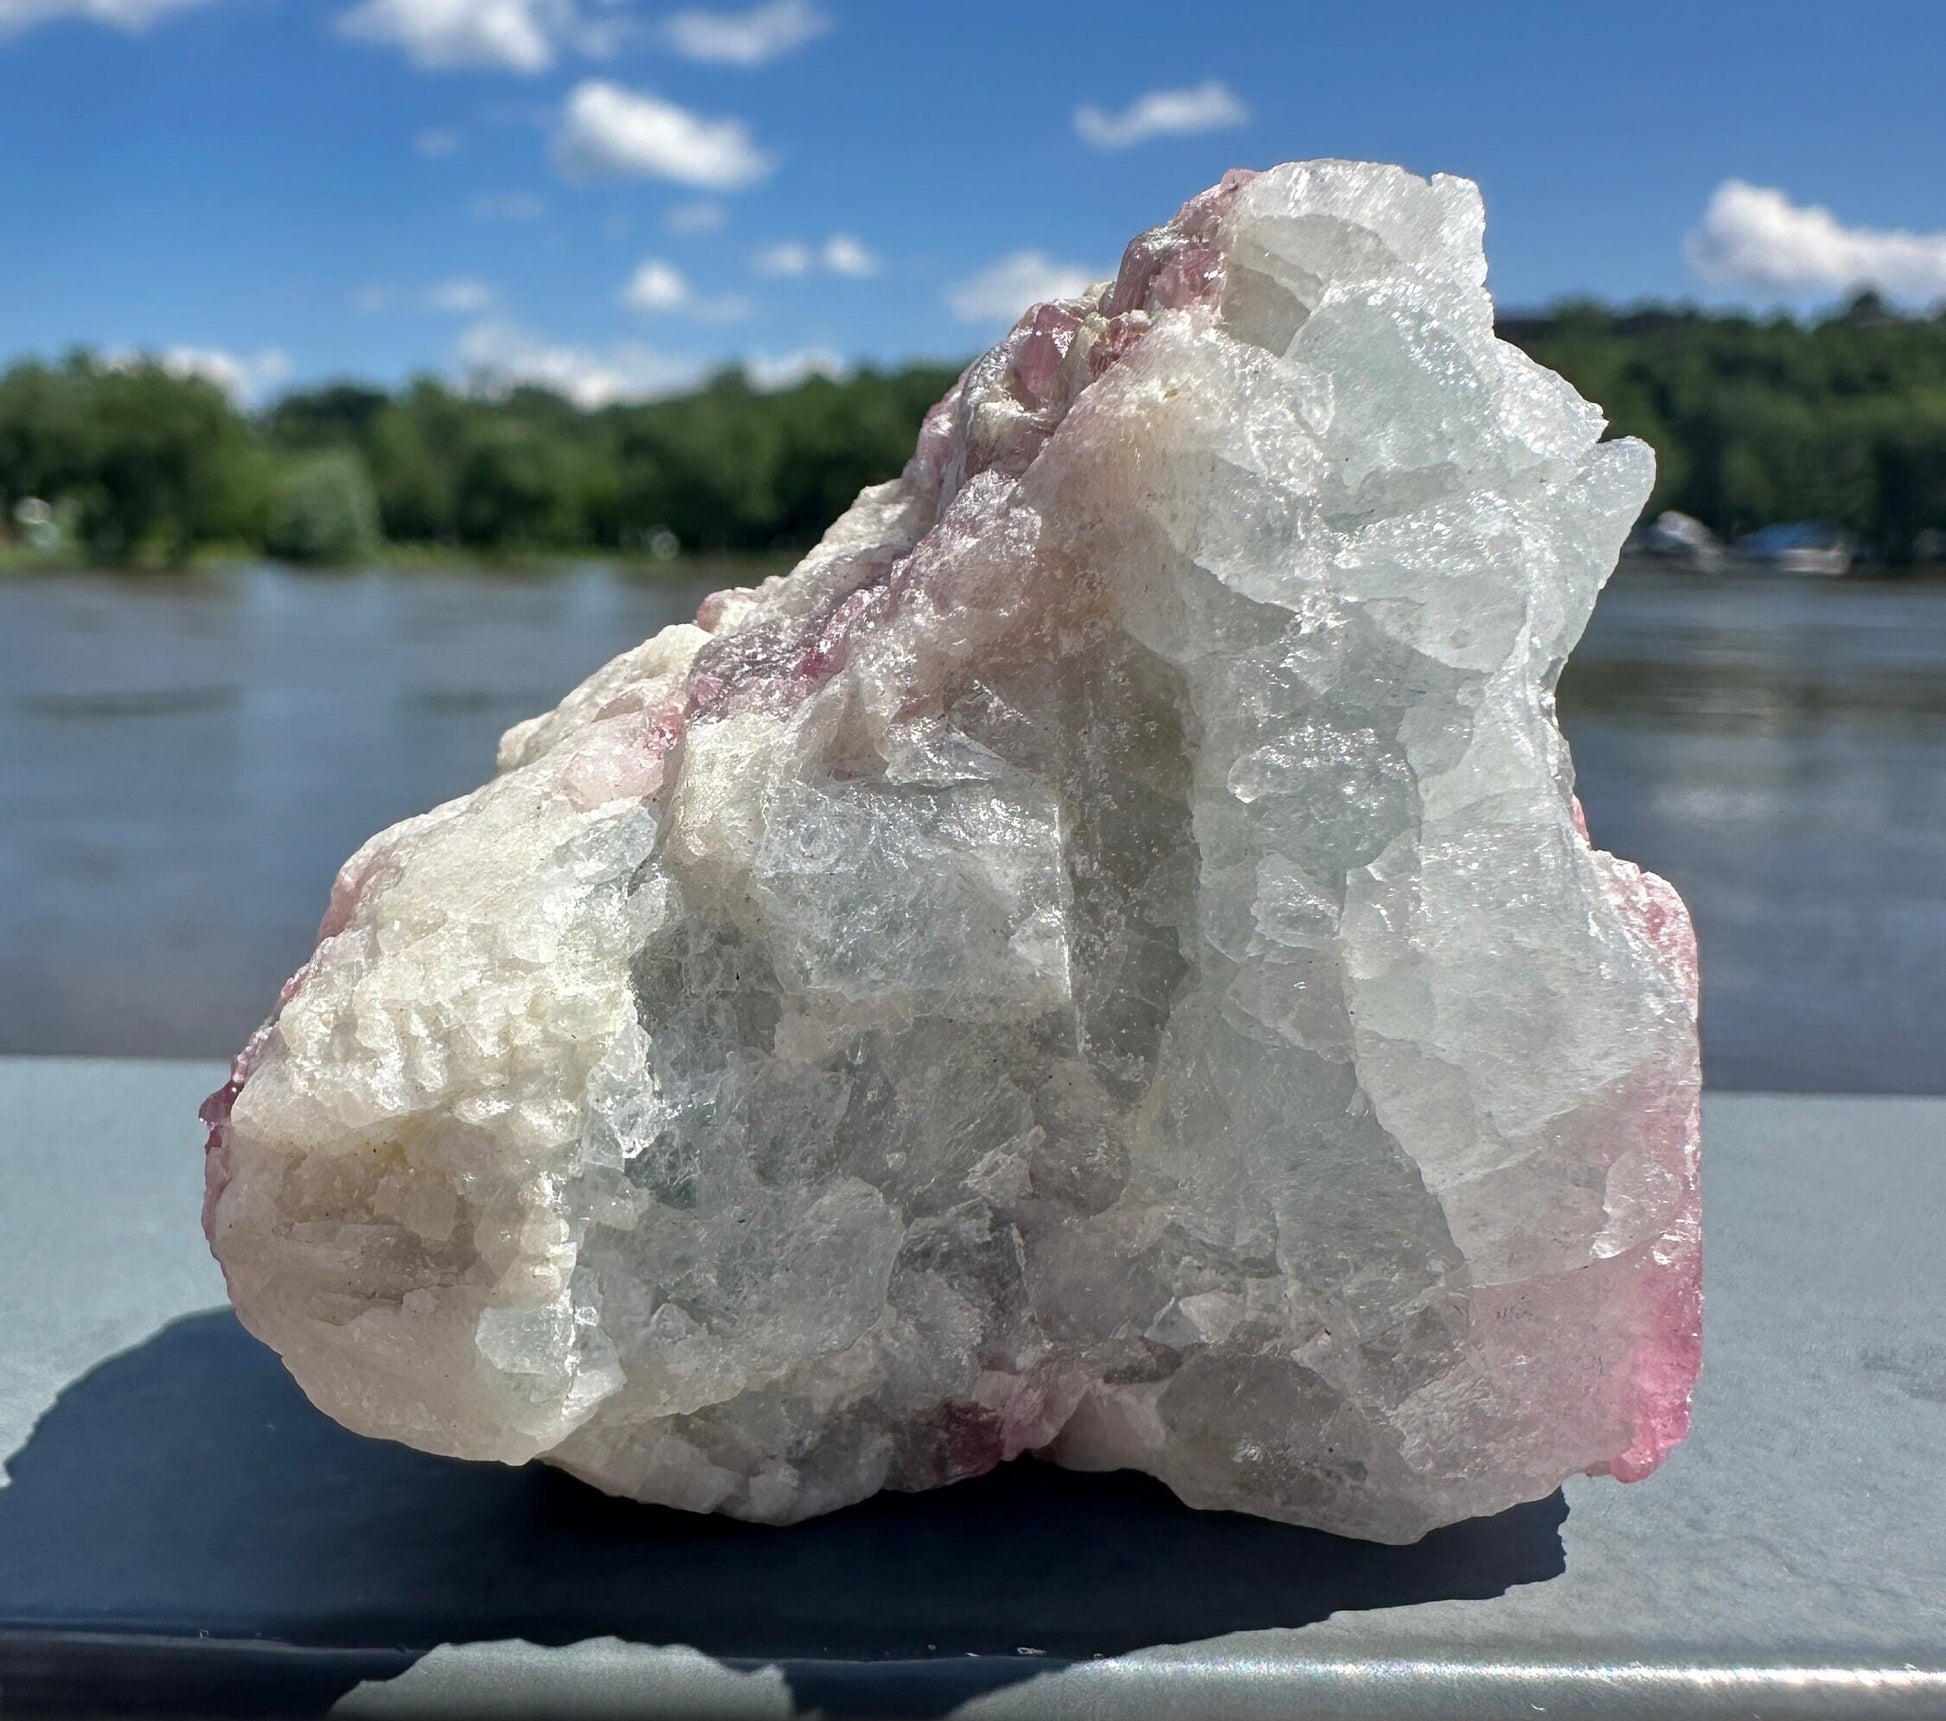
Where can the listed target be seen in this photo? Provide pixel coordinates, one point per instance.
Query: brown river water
(184, 762)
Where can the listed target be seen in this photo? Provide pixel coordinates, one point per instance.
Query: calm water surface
(184, 762)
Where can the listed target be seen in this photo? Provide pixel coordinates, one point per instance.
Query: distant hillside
(1753, 422)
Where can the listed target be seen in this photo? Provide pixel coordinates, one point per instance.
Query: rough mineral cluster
(1103, 960)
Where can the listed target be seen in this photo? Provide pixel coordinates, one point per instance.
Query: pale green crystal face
(1101, 959)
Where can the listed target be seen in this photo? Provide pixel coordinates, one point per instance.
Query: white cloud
(607, 131)
(436, 142)
(498, 355)
(506, 206)
(844, 255)
(768, 372)
(1209, 106)
(461, 296)
(788, 257)
(1002, 290)
(704, 215)
(371, 301)
(841, 254)
(1754, 236)
(122, 14)
(516, 35)
(655, 286)
(745, 38)
(244, 377)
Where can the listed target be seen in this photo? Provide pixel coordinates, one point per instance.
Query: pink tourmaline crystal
(1103, 959)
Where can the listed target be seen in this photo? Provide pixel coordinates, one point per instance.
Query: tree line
(143, 463)
(1754, 420)
(1761, 420)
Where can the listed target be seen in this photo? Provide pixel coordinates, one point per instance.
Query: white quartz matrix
(1103, 960)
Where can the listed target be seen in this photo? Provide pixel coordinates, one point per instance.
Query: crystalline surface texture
(1103, 959)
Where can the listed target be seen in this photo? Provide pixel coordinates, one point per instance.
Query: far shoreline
(749, 567)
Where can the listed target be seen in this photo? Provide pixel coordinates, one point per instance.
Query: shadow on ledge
(185, 1533)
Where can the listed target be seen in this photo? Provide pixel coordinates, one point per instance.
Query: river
(185, 760)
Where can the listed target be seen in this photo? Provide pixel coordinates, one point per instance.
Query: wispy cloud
(745, 38)
(436, 143)
(841, 254)
(655, 286)
(788, 257)
(244, 377)
(703, 215)
(844, 255)
(770, 372)
(496, 355)
(1002, 290)
(506, 206)
(1755, 236)
(607, 132)
(442, 35)
(461, 296)
(1209, 106)
(128, 15)
(658, 288)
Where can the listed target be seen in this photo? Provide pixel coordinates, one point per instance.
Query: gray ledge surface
(181, 1533)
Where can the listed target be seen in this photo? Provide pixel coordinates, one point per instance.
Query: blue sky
(616, 194)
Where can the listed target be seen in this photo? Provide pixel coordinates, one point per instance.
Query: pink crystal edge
(1668, 1366)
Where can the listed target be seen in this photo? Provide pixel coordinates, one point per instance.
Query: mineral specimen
(1103, 960)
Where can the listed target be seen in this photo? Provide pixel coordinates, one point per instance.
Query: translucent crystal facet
(1101, 960)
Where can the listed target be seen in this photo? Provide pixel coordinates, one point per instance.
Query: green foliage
(1752, 420)
(514, 489)
(726, 468)
(322, 510)
(154, 463)
(1755, 421)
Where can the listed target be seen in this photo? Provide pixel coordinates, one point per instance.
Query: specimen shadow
(185, 1533)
